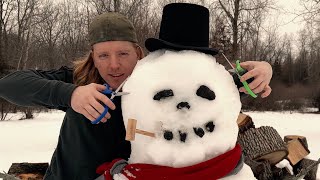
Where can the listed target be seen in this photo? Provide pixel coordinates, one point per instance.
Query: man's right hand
(86, 101)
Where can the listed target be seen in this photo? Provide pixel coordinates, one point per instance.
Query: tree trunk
(26, 171)
(116, 4)
(28, 112)
(244, 122)
(2, 61)
(261, 170)
(263, 143)
(308, 167)
(233, 17)
(235, 45)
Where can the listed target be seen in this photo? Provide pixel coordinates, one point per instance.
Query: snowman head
(189, 101)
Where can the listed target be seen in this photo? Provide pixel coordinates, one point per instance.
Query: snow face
(189, 101)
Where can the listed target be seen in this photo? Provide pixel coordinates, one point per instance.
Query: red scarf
(215, 168)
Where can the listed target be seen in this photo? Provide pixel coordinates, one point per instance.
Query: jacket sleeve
(52, 89)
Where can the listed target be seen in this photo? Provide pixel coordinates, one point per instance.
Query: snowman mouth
(183, 134)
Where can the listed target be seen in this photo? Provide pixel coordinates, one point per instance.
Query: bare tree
(2, 61)
(24, 22)
(272, 50)
(74, 23)
(144, 16)
(288, 69)
(311, 10)
(240, 14)
(106, 5)
(48, 32)
(220, 34)
(6, 9)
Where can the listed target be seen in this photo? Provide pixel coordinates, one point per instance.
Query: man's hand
(86, 101)
(261, 71)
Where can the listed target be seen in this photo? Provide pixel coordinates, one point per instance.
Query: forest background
(47, 34)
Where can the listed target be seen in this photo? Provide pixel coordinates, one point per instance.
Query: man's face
(115, 60)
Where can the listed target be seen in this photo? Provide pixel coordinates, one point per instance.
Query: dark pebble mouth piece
(199, 131)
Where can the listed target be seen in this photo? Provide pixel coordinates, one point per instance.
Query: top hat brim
(153, 44)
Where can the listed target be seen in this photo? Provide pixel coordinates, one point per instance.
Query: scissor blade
(122, 93)
(228, 61)
(232, 70)
(121, 85)
(119, 88)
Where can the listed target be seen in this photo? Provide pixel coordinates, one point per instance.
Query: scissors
(240, 71)
(113, 94)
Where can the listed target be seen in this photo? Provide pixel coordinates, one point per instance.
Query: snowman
(191, 104)
(188, 101)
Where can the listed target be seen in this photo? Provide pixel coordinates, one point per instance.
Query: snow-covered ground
(29, 140)
(34, 140)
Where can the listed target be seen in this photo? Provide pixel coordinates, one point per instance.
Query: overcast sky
(288, 22)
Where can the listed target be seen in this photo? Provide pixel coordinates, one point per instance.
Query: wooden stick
(145, 133)
(131, 130)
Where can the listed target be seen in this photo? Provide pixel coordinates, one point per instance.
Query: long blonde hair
(85, 72)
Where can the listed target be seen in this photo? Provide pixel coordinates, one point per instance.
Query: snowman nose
(183, 105)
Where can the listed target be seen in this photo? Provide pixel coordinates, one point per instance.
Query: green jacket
(82, 146)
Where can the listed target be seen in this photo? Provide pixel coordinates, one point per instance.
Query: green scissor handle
(240, 72)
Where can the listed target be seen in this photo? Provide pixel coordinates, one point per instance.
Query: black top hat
(183, 27)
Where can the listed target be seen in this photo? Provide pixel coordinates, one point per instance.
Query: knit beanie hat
(111, 26)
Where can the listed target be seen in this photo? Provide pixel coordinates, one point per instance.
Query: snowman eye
(163, 94)
(206, 93)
